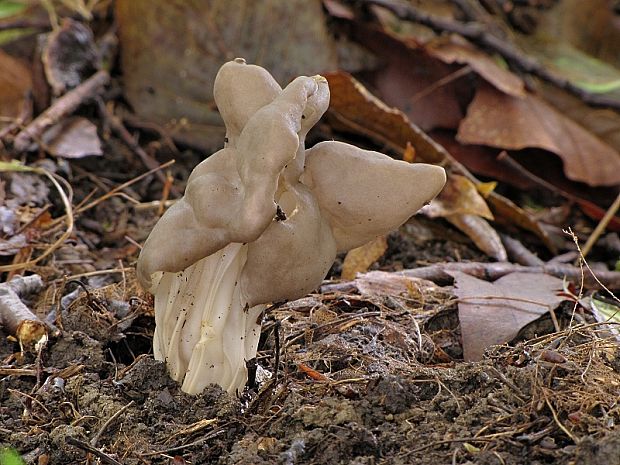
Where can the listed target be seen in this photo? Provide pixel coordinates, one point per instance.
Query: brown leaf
(457, 50)
(426, 89)
(171, 51)
(382, 283)
(15, 83)
(481, 233)
(493, 313)
(509, 211)
(459, 196)
(604, 123)
(359, 260)
(354, 109)
(500, 120)
(74, 137)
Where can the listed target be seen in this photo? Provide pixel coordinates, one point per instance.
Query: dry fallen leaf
(353, 108)
(15, 83)
(422, 86)
(382, 283)
(459, 196)
(481, 233)
(359, 260)
(493, 313)
(500, 120)
(74, 137)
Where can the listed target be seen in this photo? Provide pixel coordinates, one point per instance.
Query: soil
(361, 378)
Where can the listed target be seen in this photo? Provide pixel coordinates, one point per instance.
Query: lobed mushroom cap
(364, 194)
(240, 90)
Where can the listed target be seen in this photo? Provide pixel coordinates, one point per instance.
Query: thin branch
(62, 107)
(15, 316)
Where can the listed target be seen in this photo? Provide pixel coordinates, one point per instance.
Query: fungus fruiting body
(262, 221)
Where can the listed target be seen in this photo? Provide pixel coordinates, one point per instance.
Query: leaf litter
(365, 371)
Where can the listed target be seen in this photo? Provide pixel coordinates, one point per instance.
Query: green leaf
(608, 311)
(10, 456)
(11, 8)
(14, 165)
(10, 35)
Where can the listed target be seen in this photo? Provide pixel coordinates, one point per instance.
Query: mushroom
(262, 221)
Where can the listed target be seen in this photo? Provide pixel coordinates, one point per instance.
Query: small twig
(445, 441)
(479, 34)
(600, 228)
(91, 273)
(120, 187)
(88, 448)
(276, 335)
(62, 107)
(559, 423)
(95, 438)
(206, 437)
(519, 253)
(597, 276)
(18, 372)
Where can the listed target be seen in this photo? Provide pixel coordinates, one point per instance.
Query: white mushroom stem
(204, 329)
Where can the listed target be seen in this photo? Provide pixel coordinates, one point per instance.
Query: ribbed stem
(203, 330)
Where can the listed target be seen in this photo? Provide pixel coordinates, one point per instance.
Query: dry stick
(88, 448)
(206, 437)
(519, 253)
(478, 34)
(62, 107)
(600, 228)
(15, 316)
(439, 272)
(95, 439)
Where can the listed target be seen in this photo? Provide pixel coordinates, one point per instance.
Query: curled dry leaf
(359, 259)
(494, 313)
(481, 233)
(459, 196)
(500, 120)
